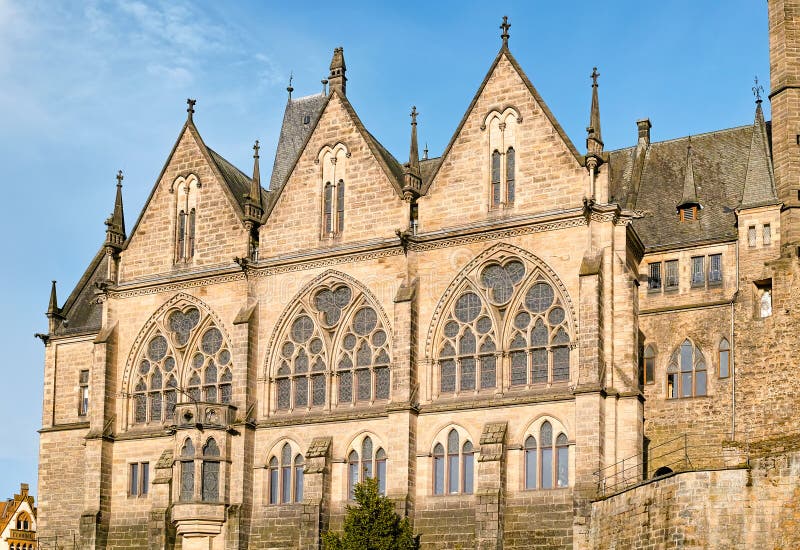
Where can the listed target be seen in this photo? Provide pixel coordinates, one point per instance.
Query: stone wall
(734, 508)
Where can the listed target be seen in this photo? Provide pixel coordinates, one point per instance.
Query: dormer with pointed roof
(689, 204)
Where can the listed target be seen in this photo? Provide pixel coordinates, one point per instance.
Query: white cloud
(175, 77)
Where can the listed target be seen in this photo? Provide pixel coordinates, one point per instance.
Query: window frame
(457, 457)
(694, 280)
(766, 234)
(285, 476)
(649, 364)
(139, 479)
(724, 348)
(83, 392)
(535, 453)
(655, 284)
(712, 281)
(671, 284)
(501, 129)
(677, 372)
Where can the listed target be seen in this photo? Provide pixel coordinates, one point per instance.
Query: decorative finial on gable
(190, 109)
(413, 115)
(757, 89)
(505, 26)
(120, 177)
(425, 152)
(412, 182)
(289, 87)
(253, 206)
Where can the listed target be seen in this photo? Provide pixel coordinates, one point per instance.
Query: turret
(254, 206)
(594, 140)
(115, 233)
(54, 316)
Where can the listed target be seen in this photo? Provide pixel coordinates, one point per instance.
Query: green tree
(372, 524)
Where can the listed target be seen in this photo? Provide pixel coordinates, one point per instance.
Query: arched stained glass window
(210, 467)
(206, 366)
(187, 471)
(335, 346)
(686, 372)
(285, 476)
(539, 341)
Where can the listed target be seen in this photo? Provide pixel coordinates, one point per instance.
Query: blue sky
(89, 88)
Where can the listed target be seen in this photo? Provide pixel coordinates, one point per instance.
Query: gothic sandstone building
(528, 345)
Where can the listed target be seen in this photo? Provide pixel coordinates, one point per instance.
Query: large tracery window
(540, 342)
(686, 372)
(181, 337)
(333, 322)
(532, 317)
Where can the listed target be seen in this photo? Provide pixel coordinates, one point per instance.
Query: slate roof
(237, 181)
(81, 311)
(720, 166)
(294, 132)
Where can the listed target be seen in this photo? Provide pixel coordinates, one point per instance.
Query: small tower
(337, 79)
(412, 180)
(254, 206)
(115, 232)
(54, 316)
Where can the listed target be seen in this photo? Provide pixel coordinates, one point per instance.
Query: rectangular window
(547, 468)
(83, 403)
(273, 485)
(466, 475)
(767, 234)
(671, 280)
(562, 466)
(649, 370)
(698, 271)
(187, 480)
(327, 209)
(530, 468)
(724, 363)
(438, 475)
(672, 385)
(715, 269)
(654, 281)
(138, 479)
(467, 374)
(340, 206)
(452, 473)
(751, 236)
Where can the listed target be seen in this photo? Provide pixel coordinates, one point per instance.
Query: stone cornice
(65, 427)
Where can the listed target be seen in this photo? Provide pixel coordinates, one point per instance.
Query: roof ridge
(687, 136)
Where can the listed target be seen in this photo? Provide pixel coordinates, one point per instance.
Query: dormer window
(502, 157)
(186, 191)
(333, 168)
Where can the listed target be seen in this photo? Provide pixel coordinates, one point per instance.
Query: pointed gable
(759, 184)
(373, 207)
(549, 174)
(219, 232)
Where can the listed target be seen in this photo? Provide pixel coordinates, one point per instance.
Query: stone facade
(484, 332)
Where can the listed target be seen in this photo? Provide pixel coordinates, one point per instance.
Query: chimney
(337, 80)
(644, 131)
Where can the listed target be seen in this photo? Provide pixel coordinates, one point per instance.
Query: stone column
(316, 493)
(160, 532)
(490, 488)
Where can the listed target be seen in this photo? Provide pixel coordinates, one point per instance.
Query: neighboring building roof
(719, 162)
(294, 132)
(237, 181)
(8, 509)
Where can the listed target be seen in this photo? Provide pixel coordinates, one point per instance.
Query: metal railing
(686, 452)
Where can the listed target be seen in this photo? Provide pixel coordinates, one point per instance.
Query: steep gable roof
(235, 184)
(759, 184)
(81, 311)
(505, 52)
(387, 162)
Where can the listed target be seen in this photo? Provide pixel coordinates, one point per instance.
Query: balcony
(19, 535)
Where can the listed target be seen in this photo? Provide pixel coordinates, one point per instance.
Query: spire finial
(190, 109)
(425, 152)
(253, 207)
(757, 89)
(289, 87)
(505, 26)
(411, 178)
(52, 308)
(594, 138)
(256, 147)
(120, 177)
(115, 224)
(413, 115)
